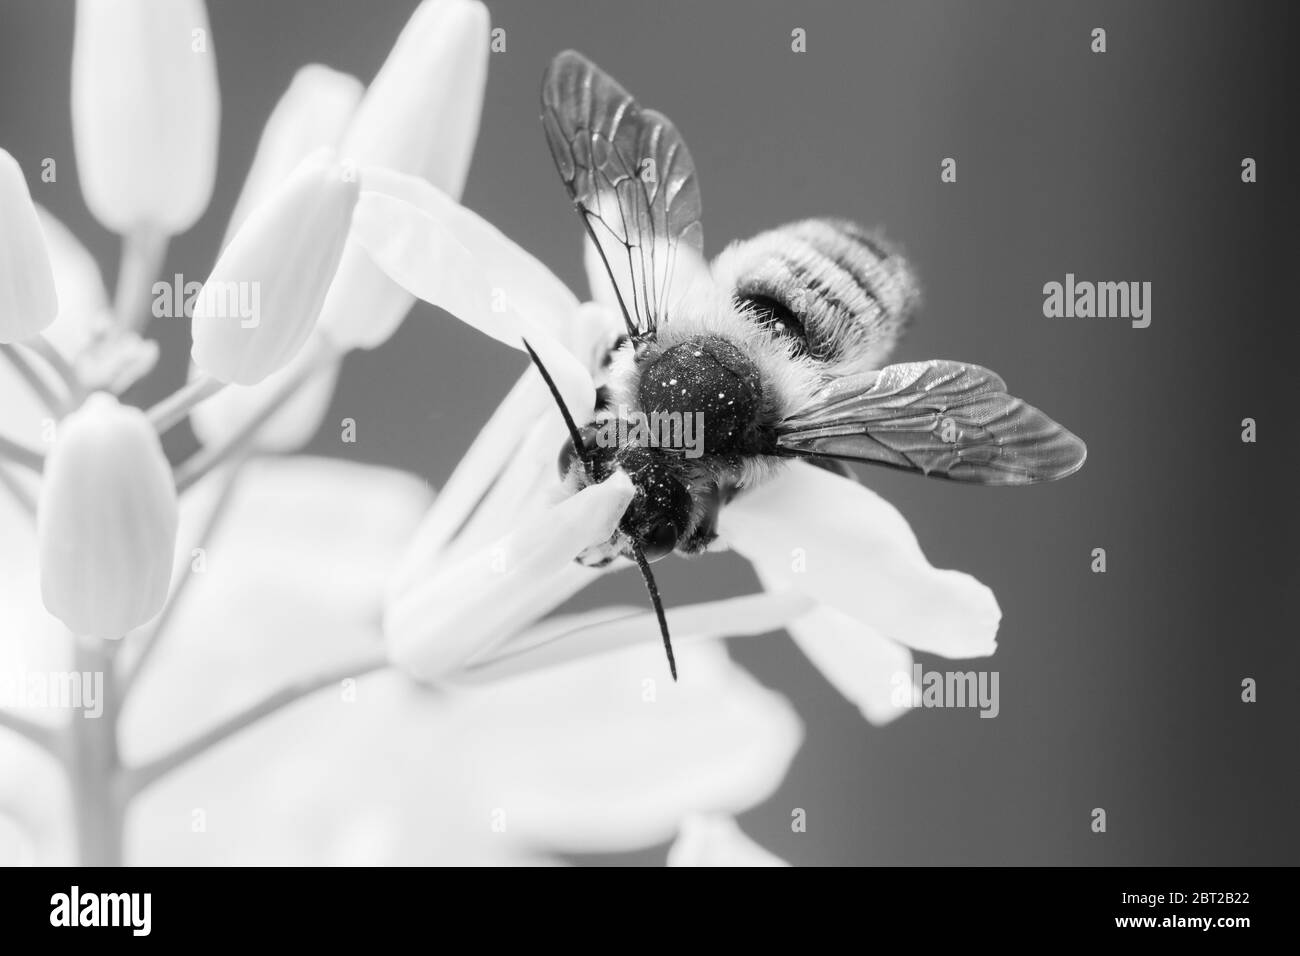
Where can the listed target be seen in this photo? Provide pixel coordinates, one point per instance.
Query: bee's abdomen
(839, 292)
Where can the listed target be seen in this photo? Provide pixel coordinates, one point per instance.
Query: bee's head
(660, 510)
(660, 513)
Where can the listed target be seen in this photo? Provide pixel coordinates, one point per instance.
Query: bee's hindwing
(840, 292)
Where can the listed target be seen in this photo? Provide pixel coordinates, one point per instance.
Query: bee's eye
(589, 436)
(659, 541)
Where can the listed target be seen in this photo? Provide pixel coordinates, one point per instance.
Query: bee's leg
(601, 555)
(706, 524)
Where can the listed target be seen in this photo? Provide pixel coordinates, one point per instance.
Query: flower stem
(143, 252)
(21, 454)
(194, 468)
(47, 738)
(138, 778)
(18, 491)
(94, 767)
(224, 496)
(56, 404)
(172, 409)
(61, 366)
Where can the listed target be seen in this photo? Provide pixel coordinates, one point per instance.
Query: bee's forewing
(632, 179)
(942, 419)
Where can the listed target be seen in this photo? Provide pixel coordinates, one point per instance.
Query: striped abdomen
(839, 293)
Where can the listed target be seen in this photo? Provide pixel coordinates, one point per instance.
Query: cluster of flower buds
(289, 294)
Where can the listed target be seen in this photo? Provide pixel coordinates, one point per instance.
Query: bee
(778, 348)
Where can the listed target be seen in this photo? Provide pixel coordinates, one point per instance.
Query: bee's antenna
(653, 588)
(641, 562)
(564, 410)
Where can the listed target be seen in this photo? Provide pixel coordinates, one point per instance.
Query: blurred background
(1118, 690)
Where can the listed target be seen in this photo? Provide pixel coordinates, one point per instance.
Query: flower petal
(145, 111)
(717, 840)
(106, 520)
(421, 112)
(599, 284)
(28, 299)
(449, 617)
(289, 583)
(419, 116)
(347, 777)
(690, 277)
(847, 547)
(609, 754)
(572, 637)
(83, 302)
(262, 300)
(313, 112)
(514, 276)
(497, 442)
(444, 254)
(857, 661)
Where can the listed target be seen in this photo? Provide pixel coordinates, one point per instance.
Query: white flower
(715, 840)
(312, 113)
(145, 112)
(265, 293)
(263, 671)
(28, 300)
(373, 768)
(106, 520)
(419, 116)
(841, 565)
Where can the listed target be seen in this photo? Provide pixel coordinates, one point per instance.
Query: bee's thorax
(712, 380)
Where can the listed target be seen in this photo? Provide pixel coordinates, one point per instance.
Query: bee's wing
(631, 178)
(942, 419)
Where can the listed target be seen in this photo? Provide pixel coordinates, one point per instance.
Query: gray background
(1118, 690)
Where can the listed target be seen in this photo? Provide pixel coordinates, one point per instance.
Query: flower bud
(106, 522)
(145, 112)
(421, 112)
(28, 301)
(313, 112)
(419, 116)
(265, 293)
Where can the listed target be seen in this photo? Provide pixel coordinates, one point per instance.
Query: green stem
(138, 778)
(224, 496)
(61, 366)
(22, 455)
(143, 252)
(18, 491)
(173, 409)
(94, 766)
(194, 468)
(47, 738)
(56, 404)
